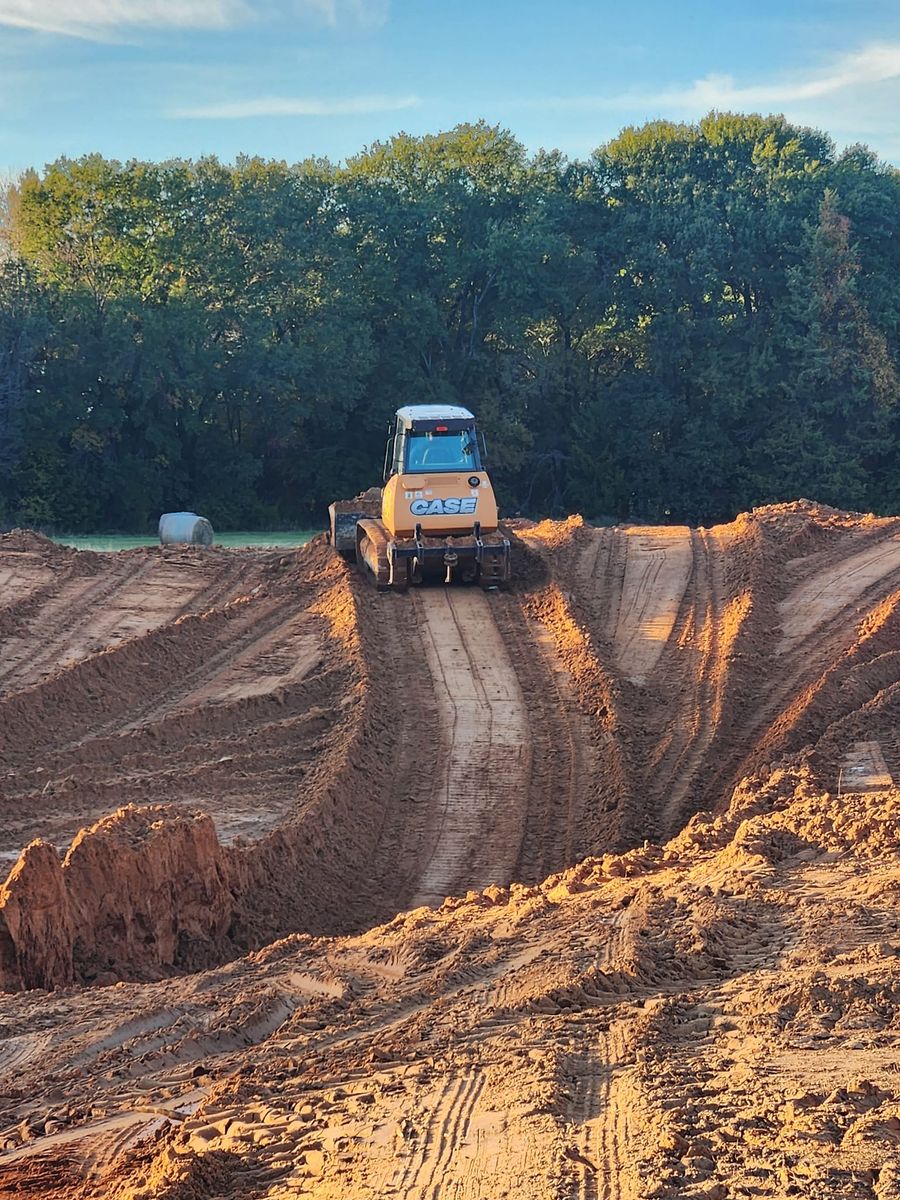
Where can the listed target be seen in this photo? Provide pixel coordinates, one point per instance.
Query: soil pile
(139, 890)
(657, 776)
(712, 1017)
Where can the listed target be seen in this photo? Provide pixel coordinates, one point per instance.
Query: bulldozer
(436, 516)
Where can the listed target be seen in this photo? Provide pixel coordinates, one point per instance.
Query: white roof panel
(434, 412)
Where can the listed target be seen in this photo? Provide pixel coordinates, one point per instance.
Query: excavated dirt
(657, 777)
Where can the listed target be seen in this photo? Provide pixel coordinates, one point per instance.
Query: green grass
(297, 537)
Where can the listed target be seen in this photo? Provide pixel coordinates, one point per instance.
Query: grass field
(294, 537)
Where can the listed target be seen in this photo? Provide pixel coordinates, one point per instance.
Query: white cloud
(873, 64)
(333, 12)
(854, 97)
(88, 18)
(287, 106)
(98, 19)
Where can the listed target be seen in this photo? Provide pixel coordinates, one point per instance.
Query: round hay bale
(185, 529)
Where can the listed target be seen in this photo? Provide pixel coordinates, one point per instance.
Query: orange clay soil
(658, 777)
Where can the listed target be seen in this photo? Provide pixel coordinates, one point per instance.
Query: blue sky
(293, 78)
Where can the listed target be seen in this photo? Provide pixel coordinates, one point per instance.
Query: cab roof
(412, 414)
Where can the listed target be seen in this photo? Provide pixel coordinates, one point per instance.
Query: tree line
(699, 319)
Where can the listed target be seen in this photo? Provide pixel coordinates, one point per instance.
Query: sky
(291, 79)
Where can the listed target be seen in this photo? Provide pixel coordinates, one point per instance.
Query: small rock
(700, 1166)
(315, 1162)
(718, 1191)
(673, 1142)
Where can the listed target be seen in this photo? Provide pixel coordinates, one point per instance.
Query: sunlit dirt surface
(657, 776)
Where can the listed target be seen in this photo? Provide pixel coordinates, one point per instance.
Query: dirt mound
(342, 730)
(139, 891)
(36, 927)
(20, 541)
(642, 1024)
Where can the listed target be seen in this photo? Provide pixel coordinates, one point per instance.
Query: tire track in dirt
(818, 601)
(47, 640)
(668, 612)
(826, 627)
(651, 599)
(630, 582)
(615, 1136)
(563, 759)
(17, 1052)
(29, 578)
(658, 565)
(588, 1104)
(25, 577)
(84, 614)
(598, 573)
(425, 1175)
(480, 797)
(413, 741)
(603, 1135)
(419, 1087)
(262, 624)
(700, 696)
(187, 656)
(205, 706)
(228, 580)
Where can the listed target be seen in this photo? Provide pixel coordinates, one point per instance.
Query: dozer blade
(343, 517)
(393, 563)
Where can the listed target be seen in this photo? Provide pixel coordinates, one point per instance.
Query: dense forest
(699, 319)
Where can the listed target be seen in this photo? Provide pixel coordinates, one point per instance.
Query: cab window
(448, 451)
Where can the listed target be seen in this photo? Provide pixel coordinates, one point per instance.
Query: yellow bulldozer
(436, 516)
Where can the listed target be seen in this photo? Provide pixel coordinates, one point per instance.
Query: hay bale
(185, 529)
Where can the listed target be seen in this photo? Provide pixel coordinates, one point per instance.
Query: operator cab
(432, 438)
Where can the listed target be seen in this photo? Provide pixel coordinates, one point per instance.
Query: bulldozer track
(657, 568)
(798, 663)
(235, 638)
(478, 819)
(598, 572)
(696, 721)
(159, 739)
(259, 629)
(410, 772)
(25, 584)
(655, 602)
(227, 582)
(818, 601)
